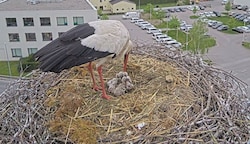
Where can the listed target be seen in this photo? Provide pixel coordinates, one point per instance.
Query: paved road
(4, 83)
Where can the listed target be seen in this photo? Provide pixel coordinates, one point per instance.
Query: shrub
(27, 64)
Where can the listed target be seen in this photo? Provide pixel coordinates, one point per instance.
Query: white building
(28, 25)
(242, 2)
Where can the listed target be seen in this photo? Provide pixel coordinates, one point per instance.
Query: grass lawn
(230, 21)
(205, 42)
(246, 44)
(194, 17)
(13, 67)
(159, 5)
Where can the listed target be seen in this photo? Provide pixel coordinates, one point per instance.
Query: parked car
(245, 29)
(222, 28)
(182, 9)
(201, 7)
(186, 27)
(156, 34)
(234, 6)
(218, 24)
(177, 44)
(142, 23)
(153, 30)
(134, 19)
(245, 7)
(160, 37)
(224, 2)
(165, 40)
(236, 29)
(239, 7)
(146, 26)
(218, 14)
(211, 23)
(138, 21)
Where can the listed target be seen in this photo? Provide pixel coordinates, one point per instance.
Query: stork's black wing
(67, 51)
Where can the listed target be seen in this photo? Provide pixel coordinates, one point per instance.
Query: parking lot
(228, 54)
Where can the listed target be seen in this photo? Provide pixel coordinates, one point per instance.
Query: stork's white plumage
(97, 41)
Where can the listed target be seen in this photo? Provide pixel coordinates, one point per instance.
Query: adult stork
(97, 41)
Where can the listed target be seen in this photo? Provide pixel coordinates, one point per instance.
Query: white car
(138, 21)
(160, 37)
(153, 30)
(134, 19)
(156, 34)
(165, 40)
(146, 26)
(142, 23)
(244, 29)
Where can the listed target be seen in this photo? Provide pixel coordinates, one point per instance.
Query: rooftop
(23, 5)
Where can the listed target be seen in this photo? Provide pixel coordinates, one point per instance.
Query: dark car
(218, 14)
(235, 15)
(236, 29)
(171, 10)
(234, 6)
(182, 9)
(201, 7)
(177, 9)
(222, 28)
(244, 8)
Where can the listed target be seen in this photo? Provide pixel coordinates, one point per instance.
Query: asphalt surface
(4, 82)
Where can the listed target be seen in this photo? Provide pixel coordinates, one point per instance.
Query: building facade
(122, 6)
(27, 26)
(114, 6)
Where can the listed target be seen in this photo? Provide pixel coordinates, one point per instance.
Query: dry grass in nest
(160, 99)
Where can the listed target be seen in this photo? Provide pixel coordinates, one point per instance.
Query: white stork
(97, 41)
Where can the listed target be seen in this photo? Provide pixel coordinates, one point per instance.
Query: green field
(205, 41)
(5, 68)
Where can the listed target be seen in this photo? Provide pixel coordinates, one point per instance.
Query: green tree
(174, 23)
(148, 8)
(228, 6)
(194, 10)
(159, 14)
(187, 2)
(196, 35)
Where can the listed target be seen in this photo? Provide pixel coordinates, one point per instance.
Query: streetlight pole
(186, 40)
(8, 60)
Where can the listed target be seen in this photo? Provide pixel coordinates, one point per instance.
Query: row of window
(44, 21)
(14, 37)
(17, 52)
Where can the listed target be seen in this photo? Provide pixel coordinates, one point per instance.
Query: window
(61, 21)
(78, 20)
(60, 33)
(11, 22)
(30, 36)
(32, 50)
(28, 22)
(47, 36)
(16, 52)
(45, 21)
(14, 37)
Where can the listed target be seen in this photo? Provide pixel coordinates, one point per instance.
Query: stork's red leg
(125, 62)
(95, 87)
(104, 95)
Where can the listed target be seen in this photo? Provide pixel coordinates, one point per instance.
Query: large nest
(177, 98)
